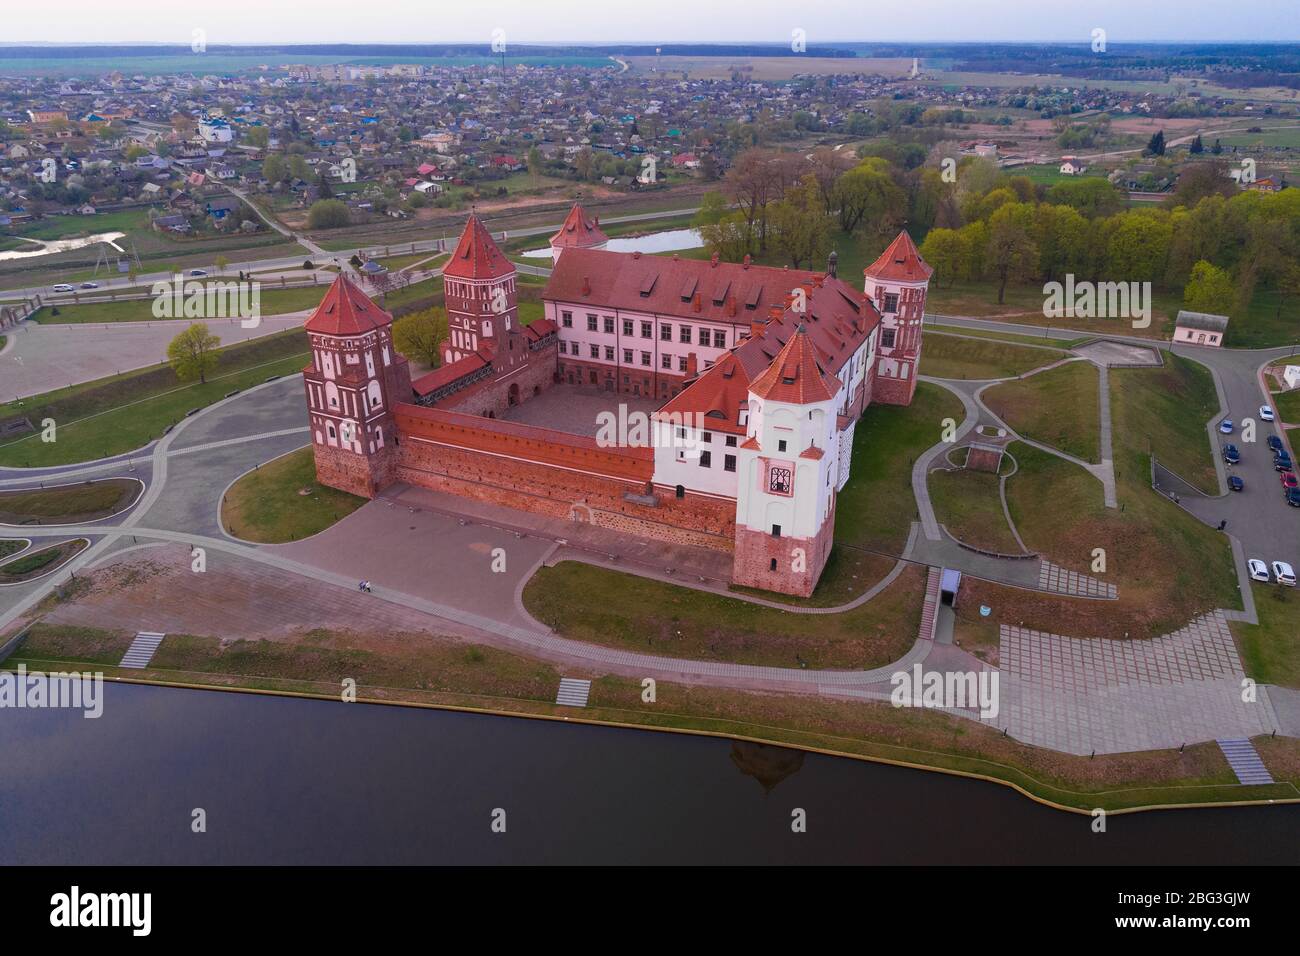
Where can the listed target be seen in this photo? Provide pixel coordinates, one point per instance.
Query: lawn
(939, 329)
(125, 412)
(876, 508)
(1165, 410)
(1059, 407)
(969, 505)
(271, 301)
(950, 356)
(68, 504)
(1024, 305)
(640, 614)
(40, 562)
(282, 501)
(1287, 406)
(1270, 649)
(10, 546)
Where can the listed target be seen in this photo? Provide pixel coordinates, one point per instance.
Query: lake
(666, 241)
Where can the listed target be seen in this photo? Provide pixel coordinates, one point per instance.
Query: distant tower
(482, 310)
(353, 381)
(578, 232)
(785, 498)
(897, 284)
(916, 68)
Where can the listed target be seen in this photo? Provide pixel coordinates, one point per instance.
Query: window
(685, 334)
(666, 361)
(566, 319)
(609, 353)
(646, 330)
(564, 347)
(776, 531)
(595, 351)
(331, 429)
(780, 445)
(681, 491)
(707, 437)
(887, 339)
(681, 432)
(591, 323)
(609, 325)
(627, 356)
(706, 459)
(772, 565)
(728, 462)
(681, 363)
(627, 326)
(731, 441)
(666, 332)
(719, 339)
(891, 302)
(645, 358)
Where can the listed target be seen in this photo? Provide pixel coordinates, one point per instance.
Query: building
(579, 231)
(1200, 328)
(754, 378)
(1070, 166)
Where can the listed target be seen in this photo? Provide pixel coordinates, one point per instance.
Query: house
(215, 131)
(1291, 376)
(221, 207)
(686, 161)
(1200, 328)
(1070, 166)
(173, 223)
(428, 189)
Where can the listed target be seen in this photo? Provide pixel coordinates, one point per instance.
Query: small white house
(1291, 376)
(1070, 166)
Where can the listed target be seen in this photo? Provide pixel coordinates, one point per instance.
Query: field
(950, 356)
(271, 301)
(1059, 407)
(282, 501)
(1165, 410)
(40, 562)
(969, 505)
(68, 504)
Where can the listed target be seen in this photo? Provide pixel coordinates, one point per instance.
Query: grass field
(125, 412)
(1287, 406)
(948, 356)
(1270, 649)
(40, 562)
(9, 546)
(269, 506)
(623, 610)
(876, 508)
(68, 504)
(1059, 407)
(271, 301)
(1166, 410)
(939, 329)
(969, 505)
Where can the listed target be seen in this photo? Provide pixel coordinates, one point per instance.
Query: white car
(1283, 573)
(1266, 412)
(63, 287)
(1258, 570)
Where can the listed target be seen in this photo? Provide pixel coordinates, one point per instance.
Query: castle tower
(578, 232)
(785, 498)
(482, 308)
(897, 284)
(353, 381)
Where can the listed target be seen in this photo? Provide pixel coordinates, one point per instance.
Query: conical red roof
(795, 375)
(900, 262)
(346, 310)
(477, 256)
(579, 230)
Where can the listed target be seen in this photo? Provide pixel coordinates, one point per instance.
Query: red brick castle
(755, 378)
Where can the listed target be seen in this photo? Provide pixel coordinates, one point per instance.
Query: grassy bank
(1059, 407)
(948, 356)
(68, 504)
(282, 501)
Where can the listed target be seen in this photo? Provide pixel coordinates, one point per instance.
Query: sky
(649, 21)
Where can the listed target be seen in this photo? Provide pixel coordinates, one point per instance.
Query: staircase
(1245, 761)
(141, 651)
(573, 692)
(930, 607)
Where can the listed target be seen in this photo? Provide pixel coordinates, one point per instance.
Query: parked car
(63, 287)
(1266, 412)
(1226, 426)
(90, 285)
(1235, 483)
(1289, 480)
(1293, 497)
(1283, 573)
(1274, 443)
(1283, 463)
(1258, 570)
(1231, 455)
(198, 273)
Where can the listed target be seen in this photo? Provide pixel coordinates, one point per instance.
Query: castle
(754, 376)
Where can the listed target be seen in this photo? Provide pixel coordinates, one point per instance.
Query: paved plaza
(578, 411)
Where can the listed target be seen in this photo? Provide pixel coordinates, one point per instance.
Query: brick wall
(353, 473)
(894, 391)
(494, 395)
(757, 550)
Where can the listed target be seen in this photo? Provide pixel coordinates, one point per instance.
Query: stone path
(1112, 696)
(1053, 577)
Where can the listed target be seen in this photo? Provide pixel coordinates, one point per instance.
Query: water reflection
(666, 241)
(49, 247)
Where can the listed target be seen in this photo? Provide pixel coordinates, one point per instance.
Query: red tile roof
(900, 262)
(446, 374)
(477, 256)
(796, 376)
(579, 230)
(346, 310)
(717, 395)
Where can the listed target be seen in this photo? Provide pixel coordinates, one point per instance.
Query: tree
(1012, 254)
(298, 167)
(192, 353)
(418, 335)
(800, 224)
(221, 263)
(1209, 289)
(729, 237)
(943, 250)
(535, 164)
(275, 169)
(1197, 146)
(328, 214)
(1156, 145)
(258, 136)
(867, 193)
(1092, 195)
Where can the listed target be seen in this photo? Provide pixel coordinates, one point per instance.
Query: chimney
(697, 303)
(713, 260)
(757, 327)
(586, 286)
(745, 264)
(832, 264)
(731, 305)
(692, 365)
